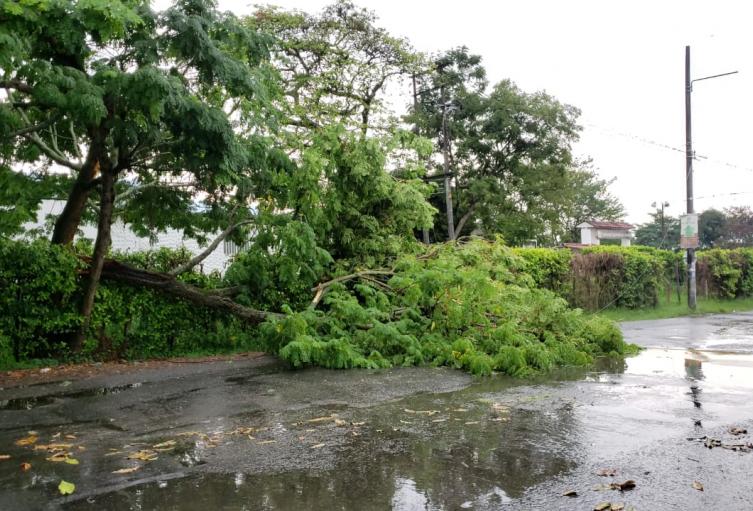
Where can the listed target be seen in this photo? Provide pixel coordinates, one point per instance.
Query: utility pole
(446, 158)
(415, 130)
(689, 170)
(689, 178)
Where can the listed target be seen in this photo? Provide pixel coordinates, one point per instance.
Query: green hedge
(41, 285)
(605, 276)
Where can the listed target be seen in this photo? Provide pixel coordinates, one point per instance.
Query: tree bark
(101, 247)
(67, 223)
(168, 284)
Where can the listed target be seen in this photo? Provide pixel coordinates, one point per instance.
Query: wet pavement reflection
(491, 443)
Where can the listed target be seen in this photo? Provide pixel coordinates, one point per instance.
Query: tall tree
(586, 197)
(738, 227)
(662, 232)
(711, 227)
(161, 107)
(336, 65)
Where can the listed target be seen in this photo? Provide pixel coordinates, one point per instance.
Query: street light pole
(689, 171)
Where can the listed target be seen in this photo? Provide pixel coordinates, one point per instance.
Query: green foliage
(726, 273)
(468, 306)
(279, 269)
(39, 304)
(36, 279)
(549, 268)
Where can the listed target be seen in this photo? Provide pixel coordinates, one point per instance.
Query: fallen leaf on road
(340, 422)
(143, 455)
(738, 431)
(698, 486)
(113, 453)
(460, 410)
(421, 412)
(617, 507)
(71, 461)
(58, 457)
(471, 422)
(607, 472)
(439, 420)
(27, 440)
(570, 493)
(52, 447)
(318, 446)
(165, 445)
(4, 457)
(623, 486)
(265, 442)
(70, 437)
(125, 470)
(25, 466)
(602, 506)
(358, 423)
(66, 488)
(322, 419)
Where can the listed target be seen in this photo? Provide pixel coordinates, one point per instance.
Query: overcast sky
(622, 64)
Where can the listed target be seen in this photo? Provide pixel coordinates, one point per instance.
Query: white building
(593, 232)
(125, 240)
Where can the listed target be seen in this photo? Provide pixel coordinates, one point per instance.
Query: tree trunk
(166, 283)
(67, 223)
(101, 248)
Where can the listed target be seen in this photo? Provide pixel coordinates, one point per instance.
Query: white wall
(124, 240)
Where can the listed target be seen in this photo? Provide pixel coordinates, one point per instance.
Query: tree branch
(55, 156)
(205, 253)
(464, 219)
(16, 84)
(321, 289)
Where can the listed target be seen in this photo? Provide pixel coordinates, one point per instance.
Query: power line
(648, 141)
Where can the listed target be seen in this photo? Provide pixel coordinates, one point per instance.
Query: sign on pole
(689, 230)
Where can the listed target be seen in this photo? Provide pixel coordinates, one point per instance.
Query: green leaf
(66, 488)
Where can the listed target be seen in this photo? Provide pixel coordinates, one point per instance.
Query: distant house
(594, 232)
(125, 240)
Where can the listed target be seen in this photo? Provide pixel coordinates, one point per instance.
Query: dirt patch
(26, 377)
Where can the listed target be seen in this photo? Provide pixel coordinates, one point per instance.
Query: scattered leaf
(358, 423)
(602, 506)
(113, 453)
(698, 486)
(25, 466)
(143, 455)
(421, 412)
(322, 419)
(70, 437)
(52, 447)
(570, 493)
(66, 488)
(623, 486)
(56, 435)
(71, 461)
(27, 440)
(4, 457)
(618, 507)
(439, 420)
(340, 422)
(165, 445)
(738, 431)
(471, 422)
(460, 410)
(607, 472)
(318, 446)
(125, 470)
(58, 457)
(265, 442)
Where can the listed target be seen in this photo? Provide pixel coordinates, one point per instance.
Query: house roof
(599, 224)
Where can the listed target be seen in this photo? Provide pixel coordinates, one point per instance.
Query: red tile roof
(609, 225)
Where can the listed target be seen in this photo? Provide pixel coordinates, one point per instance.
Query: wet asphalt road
(251, 435)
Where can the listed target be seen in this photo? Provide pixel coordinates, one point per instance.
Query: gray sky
(622, 64)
